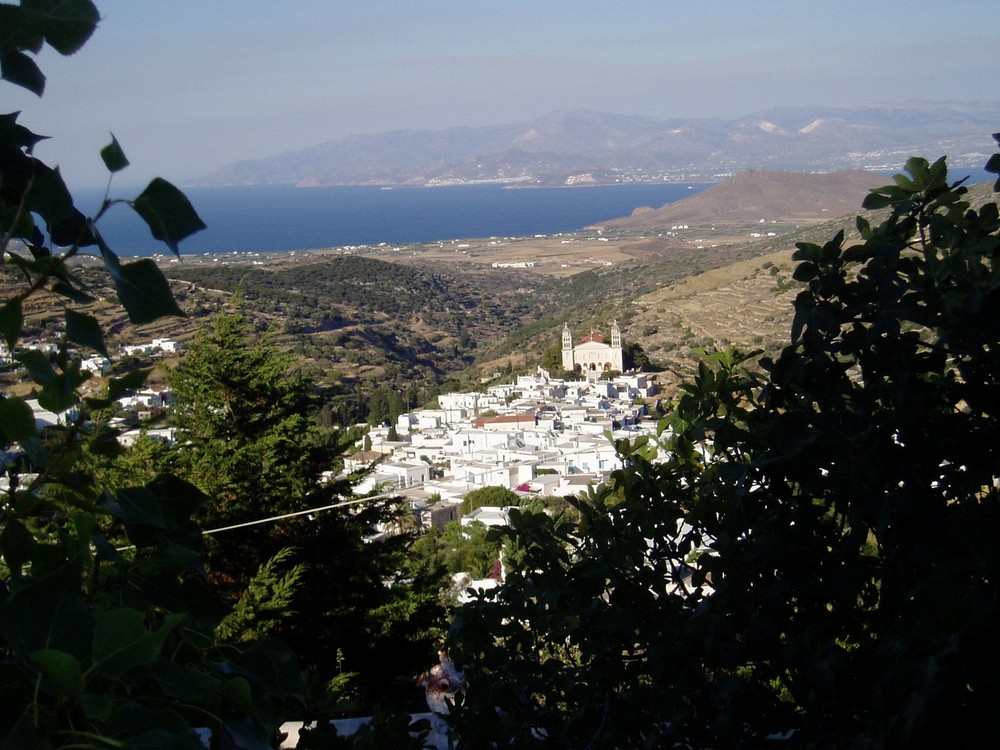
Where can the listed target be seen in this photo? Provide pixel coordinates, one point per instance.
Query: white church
(592, 355)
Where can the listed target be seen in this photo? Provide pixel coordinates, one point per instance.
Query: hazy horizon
(190, 86)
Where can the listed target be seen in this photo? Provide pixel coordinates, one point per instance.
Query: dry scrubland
(676, 292)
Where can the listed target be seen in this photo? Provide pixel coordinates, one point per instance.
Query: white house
(390, 475)
(488, 516)
(163, 434)
(45, 418)
(166, 345)
(97, 364)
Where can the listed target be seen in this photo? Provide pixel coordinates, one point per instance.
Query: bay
(284, 218)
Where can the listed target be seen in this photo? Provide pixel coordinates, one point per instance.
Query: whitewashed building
(592, 355)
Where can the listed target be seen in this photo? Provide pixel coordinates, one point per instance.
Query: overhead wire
(271, 519)
(341, 504)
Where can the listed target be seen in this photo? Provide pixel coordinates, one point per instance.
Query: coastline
(267, 219)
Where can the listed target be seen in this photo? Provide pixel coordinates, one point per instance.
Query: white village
(539, 436)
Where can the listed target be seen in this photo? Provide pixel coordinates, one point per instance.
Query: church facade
(592, 355)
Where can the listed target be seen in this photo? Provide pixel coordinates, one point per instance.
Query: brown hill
(752, 196)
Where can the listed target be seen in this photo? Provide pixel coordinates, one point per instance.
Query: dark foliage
(807, 555)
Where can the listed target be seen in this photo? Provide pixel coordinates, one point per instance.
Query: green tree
(249, 438)
(808, 550)
(494, 496)
(438, 555)
(107, 627)
(635, 357)
(552, 359)
(142, 462)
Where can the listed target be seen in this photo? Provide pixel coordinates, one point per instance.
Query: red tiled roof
(505, 419)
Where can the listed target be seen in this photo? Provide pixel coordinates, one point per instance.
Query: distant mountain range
(585, 147)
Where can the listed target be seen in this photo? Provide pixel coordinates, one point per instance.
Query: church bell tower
(567, 348)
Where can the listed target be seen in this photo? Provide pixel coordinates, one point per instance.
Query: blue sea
(279, 218)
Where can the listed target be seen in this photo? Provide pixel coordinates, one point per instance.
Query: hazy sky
(190, 85)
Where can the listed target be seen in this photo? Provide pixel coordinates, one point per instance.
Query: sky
(187, 86)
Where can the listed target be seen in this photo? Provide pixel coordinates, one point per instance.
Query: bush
(809, 548)
(493, 496)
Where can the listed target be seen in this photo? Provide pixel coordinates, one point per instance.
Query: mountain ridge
(585, 146)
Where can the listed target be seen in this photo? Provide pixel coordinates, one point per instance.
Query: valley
(429, 317)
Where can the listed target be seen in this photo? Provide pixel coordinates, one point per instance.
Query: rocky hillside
(761, 196)
(364, 322)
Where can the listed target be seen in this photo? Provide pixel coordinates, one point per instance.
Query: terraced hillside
(417, 320)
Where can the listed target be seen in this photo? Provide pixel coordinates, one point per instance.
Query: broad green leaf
(879, 199)
(11, 322)
(271, 665)
(37, 264)
(50, 198)
(937, 175)
(25, 139)
(21, 29)
(128, 382)
(239, 693)
(859, 253)
(49, 612)
(63, 677)
(72, 231)
(113, 156)
(17, 422)
(20, 224)
(24, 733)
(12, 135)
(905, 183)
(993, 167)
(97, 706)
(59, 394)
(807, 251)
(38, 365)
(118, 387)
(67, 24)
(21, 70)
(144, 292)
(161, 508)
(36, 451)
(139, 728)
(805, 271)
(18, 544)
(84, 330)
(183, 683)
(136, 505)
(86, 528)
(69, 291)
(168, 213)
(832, 249)
(122, 641)
(246, 734)
(38, 249)
(103, 441)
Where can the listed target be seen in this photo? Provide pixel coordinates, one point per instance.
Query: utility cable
(341, 504)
